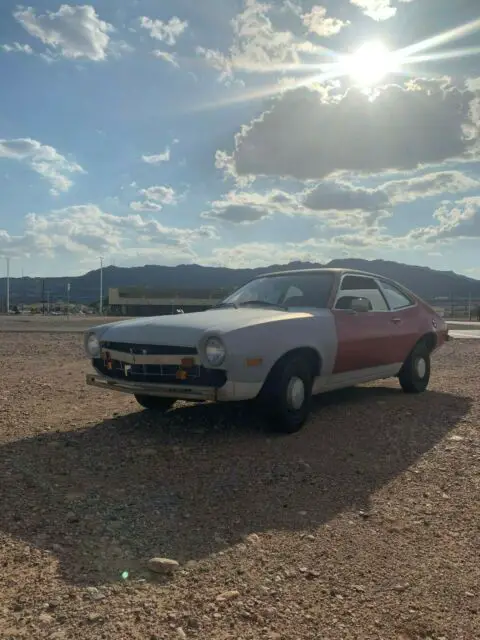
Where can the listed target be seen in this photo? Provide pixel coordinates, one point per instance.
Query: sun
(369, 64)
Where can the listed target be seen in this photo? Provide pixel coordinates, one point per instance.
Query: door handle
(396, 320)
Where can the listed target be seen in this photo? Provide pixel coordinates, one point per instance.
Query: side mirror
(360, 305)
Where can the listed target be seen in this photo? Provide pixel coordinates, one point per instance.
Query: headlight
(92, 345)
(215, 351)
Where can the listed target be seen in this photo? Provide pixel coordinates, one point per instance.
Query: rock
(227, 595)
(456, 438)
(58, 635)
(94, 617)
(181, 633)
(401, 587)
(164, 566)
(358, 587)
(46, 618)
(252, 538)
(469, 594)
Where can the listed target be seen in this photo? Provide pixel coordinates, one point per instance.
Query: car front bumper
(230, 391)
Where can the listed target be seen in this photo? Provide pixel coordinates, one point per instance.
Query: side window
(361, 287)
(395, 298)
(352, 283)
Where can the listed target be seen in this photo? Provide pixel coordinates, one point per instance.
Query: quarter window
(351, 283)
(396, 299)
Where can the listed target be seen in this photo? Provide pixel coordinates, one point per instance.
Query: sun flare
(369, 64)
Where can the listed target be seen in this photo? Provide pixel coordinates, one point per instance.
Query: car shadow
(105, 498)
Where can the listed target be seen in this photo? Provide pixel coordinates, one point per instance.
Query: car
(279, 339)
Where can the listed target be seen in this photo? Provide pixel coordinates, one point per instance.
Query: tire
(287, 396)
(155, 403)
(414, 376)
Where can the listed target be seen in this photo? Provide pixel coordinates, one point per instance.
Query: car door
(405, 321)
(362, 336)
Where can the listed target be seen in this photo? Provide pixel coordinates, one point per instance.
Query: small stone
(253, 538)
(181, 633)
(456, 438)
(311, 537)
(401, 587)
(94, 617)
(469, 594)
(358, 587)
(58, 635)
(46, 618)
(165, 566)
(227, 595)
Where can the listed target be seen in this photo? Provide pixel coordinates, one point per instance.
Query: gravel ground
(364, 525)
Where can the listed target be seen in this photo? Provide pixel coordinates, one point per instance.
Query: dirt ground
(364, 525)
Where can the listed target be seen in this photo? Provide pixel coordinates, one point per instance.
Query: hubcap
(295, 393)
(421, 367)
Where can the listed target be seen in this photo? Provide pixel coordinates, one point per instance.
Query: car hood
(186, 329)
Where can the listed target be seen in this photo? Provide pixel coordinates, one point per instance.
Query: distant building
(134, 301)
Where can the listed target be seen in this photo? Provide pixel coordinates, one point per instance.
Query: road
(78, 324)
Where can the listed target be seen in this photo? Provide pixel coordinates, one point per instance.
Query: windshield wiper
(262, 303)
(224, 305)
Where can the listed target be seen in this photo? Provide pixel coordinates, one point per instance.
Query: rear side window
(350, 283)
(396, 299)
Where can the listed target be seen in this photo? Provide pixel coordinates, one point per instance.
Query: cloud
(317, 22)
(167, 32)
(155, 198)
(16, 47)
(218, 61)
(246, 207)
(86, 230)
(257, 47)
(345, 197)
(428, 185)
(458, 220)
(376, 9)
(74, 31)
(260, 254)
(308, 134)
(157, 158)
(171, 58)
(43, 159)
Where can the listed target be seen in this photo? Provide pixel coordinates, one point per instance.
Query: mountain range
(426, 282)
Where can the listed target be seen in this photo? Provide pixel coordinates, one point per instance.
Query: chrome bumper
(230, 391)
(180, 392)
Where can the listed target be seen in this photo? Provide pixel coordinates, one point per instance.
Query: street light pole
(8, 285)
(100, 307)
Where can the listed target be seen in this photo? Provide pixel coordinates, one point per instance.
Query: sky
(239, 133)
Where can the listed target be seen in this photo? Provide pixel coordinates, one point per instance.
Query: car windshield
(290, 290)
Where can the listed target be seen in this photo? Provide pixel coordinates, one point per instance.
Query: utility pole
(68, 300)
(100, 307)
(8, 285)
(43, 297)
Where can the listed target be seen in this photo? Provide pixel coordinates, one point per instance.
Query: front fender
(264, 344)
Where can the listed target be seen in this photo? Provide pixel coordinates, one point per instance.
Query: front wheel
(155, 403)
(287, 396)
(414, 376)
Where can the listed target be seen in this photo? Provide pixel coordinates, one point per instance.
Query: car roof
(333, 271)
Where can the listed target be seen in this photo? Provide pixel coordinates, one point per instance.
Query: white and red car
(280, 339)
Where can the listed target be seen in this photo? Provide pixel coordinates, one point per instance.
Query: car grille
(158, 373)
(151, 349)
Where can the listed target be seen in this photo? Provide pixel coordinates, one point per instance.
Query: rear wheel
(287, 395)
(414, 376)
(154, 403)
